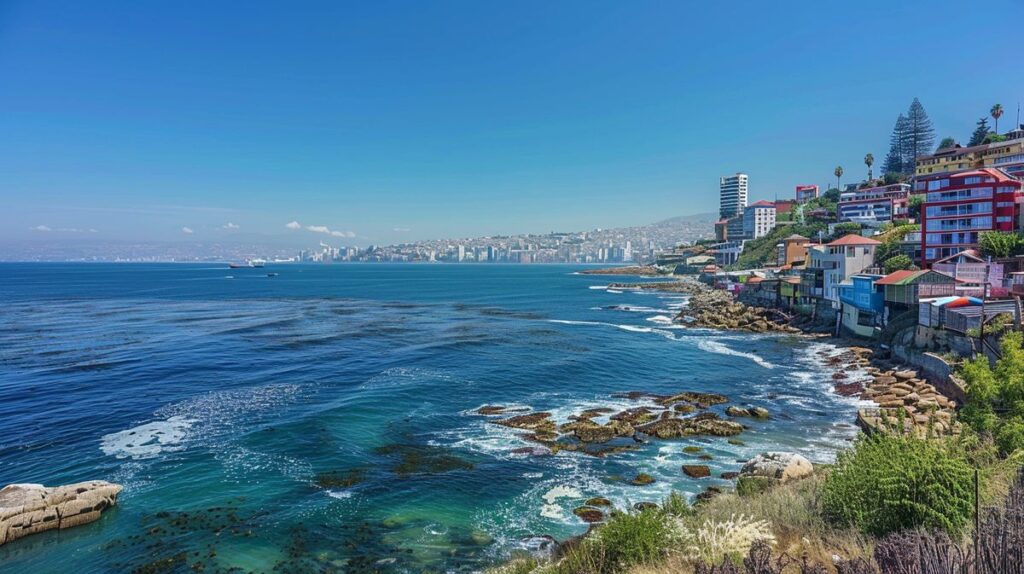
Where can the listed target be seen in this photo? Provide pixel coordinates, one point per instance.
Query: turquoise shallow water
(245, 388)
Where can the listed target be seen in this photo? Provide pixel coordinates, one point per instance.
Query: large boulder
(780, 466)
(30, 508)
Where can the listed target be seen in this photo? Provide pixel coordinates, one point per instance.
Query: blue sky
(387, 121)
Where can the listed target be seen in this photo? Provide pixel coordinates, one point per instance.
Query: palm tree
(869, 160)
(839, 174)
(996, 112)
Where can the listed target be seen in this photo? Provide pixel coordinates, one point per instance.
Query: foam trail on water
(711, 346)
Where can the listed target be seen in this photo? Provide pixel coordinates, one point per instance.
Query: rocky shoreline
(905, 401)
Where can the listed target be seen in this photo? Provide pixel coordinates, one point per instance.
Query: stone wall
(938, 372)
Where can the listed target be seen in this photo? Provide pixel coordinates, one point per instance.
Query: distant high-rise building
(461, 252)
(733, 195)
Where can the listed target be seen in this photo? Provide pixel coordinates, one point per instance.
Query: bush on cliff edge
(891, 483)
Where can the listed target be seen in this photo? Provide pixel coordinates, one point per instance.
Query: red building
(805, 193)
(959, 206)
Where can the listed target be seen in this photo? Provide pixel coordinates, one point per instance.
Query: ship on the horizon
(250, 263)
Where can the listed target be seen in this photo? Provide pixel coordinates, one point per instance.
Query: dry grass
(793, 510)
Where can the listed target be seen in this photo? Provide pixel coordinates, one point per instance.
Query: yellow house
(1007, 155)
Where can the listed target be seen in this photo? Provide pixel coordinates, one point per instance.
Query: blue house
(863, 304)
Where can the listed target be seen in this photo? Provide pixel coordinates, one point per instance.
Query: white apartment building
(758, 219)
(732, 195)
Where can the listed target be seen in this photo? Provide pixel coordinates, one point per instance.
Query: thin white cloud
(230, 225)
(293, 225)
(40, 228)
(187, 230)
(328, 231)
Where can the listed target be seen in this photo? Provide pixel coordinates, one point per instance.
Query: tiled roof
(854, 239)
(762, 203)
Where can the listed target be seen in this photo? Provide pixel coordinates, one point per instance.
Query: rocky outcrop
(30, 508)
(717, 309)
(778, 466)
(702, 424)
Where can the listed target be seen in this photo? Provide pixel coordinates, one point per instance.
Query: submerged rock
(340, 479)
(642, 479)
(598, 501)
(31, 508)
(423, 459)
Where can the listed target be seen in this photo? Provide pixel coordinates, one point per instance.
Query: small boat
(257, 262)
(236, 266)
(271, 274)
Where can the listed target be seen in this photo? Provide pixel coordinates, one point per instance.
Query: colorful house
(905, 289)
(975, 276)
(792, 252)
(840, 260)
(862, 304)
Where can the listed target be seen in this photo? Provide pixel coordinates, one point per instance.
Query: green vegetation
(898, 263)
(627, 539)
(1001, 244)
(995, 395)
(889, 483)
(912, 136)
(945, 143)
(760, 252)
(996, 112)
(979, 133)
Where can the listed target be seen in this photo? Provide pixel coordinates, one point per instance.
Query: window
(938, 184)
(972, 180)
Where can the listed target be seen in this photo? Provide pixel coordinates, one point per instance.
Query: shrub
(890, 483)
(753, 485)
(676, 505)
(625, 540)
(995, 396)
(898, 263)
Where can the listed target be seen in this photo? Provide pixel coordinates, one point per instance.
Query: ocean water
(218, 397)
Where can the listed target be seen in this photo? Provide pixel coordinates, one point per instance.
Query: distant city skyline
(381, 124)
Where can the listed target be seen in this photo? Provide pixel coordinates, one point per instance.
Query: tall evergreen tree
(894, 159)
(920, 135)
(980, 132)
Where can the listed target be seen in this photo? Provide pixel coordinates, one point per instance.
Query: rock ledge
(30, 508)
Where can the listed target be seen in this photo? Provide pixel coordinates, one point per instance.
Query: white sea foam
(615, 291)
(552, 511)
(560, 491)
(712, 346)
(660, 319)
(339, 494)
(148, 440)
(597, 287)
